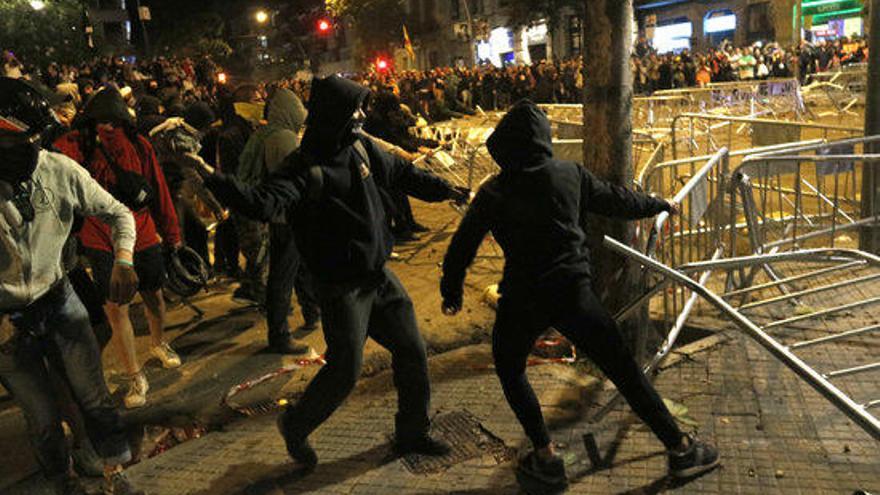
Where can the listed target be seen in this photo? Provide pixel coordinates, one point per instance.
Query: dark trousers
(402, 217)
(576, 313)
(287, 273)
(226, 248)
(252, 239)
(383, 311)
(53, 334)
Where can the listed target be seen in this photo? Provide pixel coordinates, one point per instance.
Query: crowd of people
(115, 173)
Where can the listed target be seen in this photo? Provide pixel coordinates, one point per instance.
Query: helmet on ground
(187, 272)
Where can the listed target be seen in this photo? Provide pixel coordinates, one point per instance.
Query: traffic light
(324, 26)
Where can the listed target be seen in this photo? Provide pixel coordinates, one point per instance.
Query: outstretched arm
(271, 198)
(461, 252)
(402, 175)
(603, 198)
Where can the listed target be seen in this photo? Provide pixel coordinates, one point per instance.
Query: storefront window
(719, 25)
(673, 36)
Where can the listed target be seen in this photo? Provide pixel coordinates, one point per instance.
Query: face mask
(17, 163)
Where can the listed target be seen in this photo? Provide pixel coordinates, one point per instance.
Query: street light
(261, 16)
(38, 4)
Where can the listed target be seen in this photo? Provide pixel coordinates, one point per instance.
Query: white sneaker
(137, 391)
(164, 353)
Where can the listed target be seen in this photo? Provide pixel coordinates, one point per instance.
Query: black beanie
(199, 115)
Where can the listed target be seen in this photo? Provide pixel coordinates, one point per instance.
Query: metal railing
(800, 196)
(777, 97)
(706, 133)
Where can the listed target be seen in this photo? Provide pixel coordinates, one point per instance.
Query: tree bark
(869, 237)
(608, 96)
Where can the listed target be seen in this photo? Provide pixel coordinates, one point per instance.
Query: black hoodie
(341, 226)
(536, 208)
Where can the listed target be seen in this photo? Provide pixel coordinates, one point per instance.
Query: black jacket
(536, 208)
(341, 226)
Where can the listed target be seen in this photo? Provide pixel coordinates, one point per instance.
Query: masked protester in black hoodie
(332, 190)
(536, 208)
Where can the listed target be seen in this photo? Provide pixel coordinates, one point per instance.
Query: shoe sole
(696, 470)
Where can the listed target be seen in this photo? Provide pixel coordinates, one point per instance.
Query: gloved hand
(461, 195)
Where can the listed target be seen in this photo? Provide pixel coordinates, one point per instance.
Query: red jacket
(95, 234)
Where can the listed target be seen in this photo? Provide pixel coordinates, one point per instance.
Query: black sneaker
(405, 236)
(418, 228)
(300, 451)
(244, 296)
(286, 345)
(308, 327)
(423, 445)
(118, 484)
(696, 459)
(68, 485)
(537, 475)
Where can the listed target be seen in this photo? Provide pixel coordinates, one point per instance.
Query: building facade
(440, 34)
(672, 25)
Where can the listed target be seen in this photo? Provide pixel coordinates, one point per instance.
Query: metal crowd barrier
(858, 412)
(843, 89)
(798, 196)
(747, 98)
(706, 133)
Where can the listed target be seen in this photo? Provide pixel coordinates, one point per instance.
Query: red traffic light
(324, 25)
(381, 64)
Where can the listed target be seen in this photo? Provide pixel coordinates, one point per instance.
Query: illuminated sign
(719, 24)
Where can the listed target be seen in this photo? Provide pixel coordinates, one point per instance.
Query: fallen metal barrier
(820, 381)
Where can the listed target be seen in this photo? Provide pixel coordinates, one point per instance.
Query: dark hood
(331, 105)
(286, 111)
(522, 139)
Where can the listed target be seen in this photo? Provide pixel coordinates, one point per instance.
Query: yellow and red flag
(407, 44)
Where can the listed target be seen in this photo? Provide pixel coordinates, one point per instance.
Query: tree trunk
(608, 96)
(869, 237)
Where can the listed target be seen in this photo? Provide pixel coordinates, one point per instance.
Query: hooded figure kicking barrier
(332, 191)
(536, 209)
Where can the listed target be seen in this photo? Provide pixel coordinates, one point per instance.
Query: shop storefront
(673, 35)
(719, 25)
(832, 19)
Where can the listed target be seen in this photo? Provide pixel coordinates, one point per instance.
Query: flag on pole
(407, 44)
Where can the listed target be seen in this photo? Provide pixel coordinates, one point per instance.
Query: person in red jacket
(106, 144)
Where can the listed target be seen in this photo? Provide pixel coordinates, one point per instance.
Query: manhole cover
(467, 438)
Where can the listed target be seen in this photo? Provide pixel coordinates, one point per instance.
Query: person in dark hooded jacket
(536, 209)
(264, 155)
(332, 190)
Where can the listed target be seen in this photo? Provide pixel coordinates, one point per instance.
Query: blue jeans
(54, 336)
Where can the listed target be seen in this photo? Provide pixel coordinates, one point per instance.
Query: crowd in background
(174, 110)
